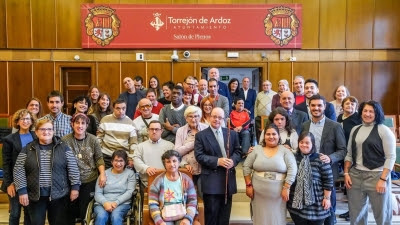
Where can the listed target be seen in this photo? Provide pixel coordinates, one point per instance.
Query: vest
(373, 155)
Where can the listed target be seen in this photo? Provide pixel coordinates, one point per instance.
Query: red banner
(191, 26)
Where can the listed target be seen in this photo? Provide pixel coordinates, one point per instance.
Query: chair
(390, 121)
(131, 218)
(147, 220)
(264, 121)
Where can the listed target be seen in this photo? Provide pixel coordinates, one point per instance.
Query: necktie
(289, 113)
(220, 139)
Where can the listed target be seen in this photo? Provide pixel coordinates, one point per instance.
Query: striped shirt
(115, 134)
(45, 165)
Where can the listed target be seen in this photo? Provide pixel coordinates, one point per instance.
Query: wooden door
(75, 82)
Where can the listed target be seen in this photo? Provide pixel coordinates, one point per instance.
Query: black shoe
(344, 215)
(347, 218)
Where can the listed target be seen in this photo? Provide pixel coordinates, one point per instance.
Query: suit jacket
(12, 146)
(224, 90)
(329, 110)
(207, 152)
(298, 118)
(333, 143)
(250, 101)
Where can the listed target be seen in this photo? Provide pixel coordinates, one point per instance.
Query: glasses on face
(145, 106)
(155, 129)
(193, 117)
(217, 117)
(118, 161)
(189, 84)
(24, 119)
(45, 129)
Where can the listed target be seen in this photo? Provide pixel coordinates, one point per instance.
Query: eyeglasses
(46, 129)
(189, 84)
(193, 116)
(155, 129)
(145, 106)
(119, 161)
(217, 117)
(25, 119)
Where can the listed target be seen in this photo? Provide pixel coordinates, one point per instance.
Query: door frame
(61, 65)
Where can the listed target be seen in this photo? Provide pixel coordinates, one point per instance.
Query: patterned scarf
(304, 192)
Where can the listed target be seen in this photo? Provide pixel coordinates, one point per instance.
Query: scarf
(304, 192)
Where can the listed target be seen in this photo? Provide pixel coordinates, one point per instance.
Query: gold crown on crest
(102, 10)
(281, 10)
(157, 14)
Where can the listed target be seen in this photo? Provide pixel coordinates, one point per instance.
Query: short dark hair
(379, 114)
(122, 154)
(212, 79)
(78, 99)
(119, 101)
(81, 116)
(237, 99)
(283, 112)
(177, 87)
(138, 78)
(311, 81)
(238, 87)
(169, 84)
(303, 135)
(55, 93)
(169, 154)
(318, 97)
(156, 121)
(273, 126)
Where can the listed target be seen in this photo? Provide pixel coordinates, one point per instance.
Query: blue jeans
(117, 215)
(244, 137)
(15, 212)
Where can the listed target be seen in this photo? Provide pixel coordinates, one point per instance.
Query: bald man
(297, 117)
(211, 153)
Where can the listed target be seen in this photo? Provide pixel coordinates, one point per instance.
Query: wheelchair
(147, 220)
(132, 217)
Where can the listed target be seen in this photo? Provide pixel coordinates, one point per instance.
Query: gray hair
(192, 109)
(285, 82)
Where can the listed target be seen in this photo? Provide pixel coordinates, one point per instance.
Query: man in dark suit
(223, 88)
(297, 117)
(249, 95)
(217, 164)
(329, 142)
(311, 88)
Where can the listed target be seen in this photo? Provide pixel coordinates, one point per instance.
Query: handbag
(176, 211)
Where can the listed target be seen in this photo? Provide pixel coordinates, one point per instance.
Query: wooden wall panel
(19, 83)
(3, 27)
(18, 23)
(307, 70)
(163, 70)
(359, 24)
(69, 23)
(387, 17)
(3, 88)
(43, 24)
(385, 85)
(331, 75)
(43, 81)
(332, 24)
(109, 79)
(358, 80)
(310, 23)
(279, 71)
(180, 71)
(133, 69)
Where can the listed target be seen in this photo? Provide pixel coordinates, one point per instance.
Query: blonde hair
(41, 122)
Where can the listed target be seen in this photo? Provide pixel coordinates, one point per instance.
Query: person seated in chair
(172, 196)
(113, 200)
(240, 121)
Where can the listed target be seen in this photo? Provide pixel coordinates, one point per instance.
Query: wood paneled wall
(350, 42)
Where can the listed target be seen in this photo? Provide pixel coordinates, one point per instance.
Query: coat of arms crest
(281, 25)
(102, 24)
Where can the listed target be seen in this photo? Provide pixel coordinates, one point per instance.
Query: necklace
(79, 147)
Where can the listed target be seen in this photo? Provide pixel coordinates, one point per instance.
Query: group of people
(57, 163)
